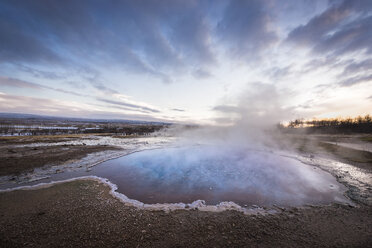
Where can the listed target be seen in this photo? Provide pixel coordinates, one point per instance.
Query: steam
(250, 120)
(241, 159)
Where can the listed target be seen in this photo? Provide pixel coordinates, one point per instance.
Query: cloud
(191, 34)
(356, 72)
(178, 110)
(104, 47)
(43, 106)
(142, 37)
(40, 73)
(201, 74)
(12, 82)
(76, 85)
(23, 104)
(157, 38)
(356, 67)
(320, 63)
(121, 104)
(17, 44)
(226, 109)
(277, 73)
(342, 28)
(356, 80)
(103, 88)
(130, 105)
(245, 29)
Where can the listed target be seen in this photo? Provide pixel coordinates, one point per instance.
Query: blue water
(217, 174)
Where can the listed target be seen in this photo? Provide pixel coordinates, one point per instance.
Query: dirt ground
(14, 140)
(317, 145)
(16, 160)
(82, 213)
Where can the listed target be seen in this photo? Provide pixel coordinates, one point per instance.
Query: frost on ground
(126, 145)
(358, 180)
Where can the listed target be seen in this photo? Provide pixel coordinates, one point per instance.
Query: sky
(186, 61)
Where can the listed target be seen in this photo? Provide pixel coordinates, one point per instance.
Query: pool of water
(216, 174)
(245, 177)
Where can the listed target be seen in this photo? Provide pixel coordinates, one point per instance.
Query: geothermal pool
(217, 174)
(214, 174)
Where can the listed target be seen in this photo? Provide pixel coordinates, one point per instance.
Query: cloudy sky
(185, 61)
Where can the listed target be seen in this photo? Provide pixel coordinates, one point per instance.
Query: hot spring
(217, 174)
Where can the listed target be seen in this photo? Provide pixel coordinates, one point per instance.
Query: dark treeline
(360, 124)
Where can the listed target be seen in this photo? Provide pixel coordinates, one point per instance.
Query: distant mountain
(57, 118)
(22, 116)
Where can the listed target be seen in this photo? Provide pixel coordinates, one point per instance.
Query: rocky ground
(83, 213)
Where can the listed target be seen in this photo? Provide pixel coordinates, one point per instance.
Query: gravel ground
(82, 213)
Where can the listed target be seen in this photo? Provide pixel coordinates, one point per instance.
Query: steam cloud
(239, 162)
